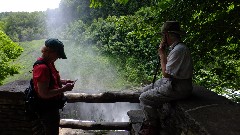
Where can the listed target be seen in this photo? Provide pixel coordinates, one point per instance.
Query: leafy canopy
(8, 52)
(212, 35)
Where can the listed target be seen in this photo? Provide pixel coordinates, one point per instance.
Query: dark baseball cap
(56, 45)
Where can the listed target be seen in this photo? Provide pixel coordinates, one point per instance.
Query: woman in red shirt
(49, 86)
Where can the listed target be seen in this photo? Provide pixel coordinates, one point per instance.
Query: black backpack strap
(38, 62)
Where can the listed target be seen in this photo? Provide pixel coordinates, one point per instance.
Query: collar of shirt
(173, 45)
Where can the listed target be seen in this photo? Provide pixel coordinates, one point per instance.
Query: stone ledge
(204, 113)
(17, 86)
(216, 114)
(12, 93)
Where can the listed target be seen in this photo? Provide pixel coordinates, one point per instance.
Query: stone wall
(13, 118)
(204, 113)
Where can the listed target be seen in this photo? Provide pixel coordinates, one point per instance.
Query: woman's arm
(44, 92)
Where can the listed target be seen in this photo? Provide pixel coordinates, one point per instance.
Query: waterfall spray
(95, 74)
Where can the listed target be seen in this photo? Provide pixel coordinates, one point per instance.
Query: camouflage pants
(164, 91)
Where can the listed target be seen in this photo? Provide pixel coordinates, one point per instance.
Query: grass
(26, 60)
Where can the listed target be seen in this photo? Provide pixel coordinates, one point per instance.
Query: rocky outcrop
(204, 113)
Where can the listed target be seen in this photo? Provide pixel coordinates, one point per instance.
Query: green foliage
(2, 25)
(131, 41)
(23, 26)
(100, 3)
(73, 10)
(137, 46)
(8, 52)
(26, 60)
(76, 31)
(212, 35)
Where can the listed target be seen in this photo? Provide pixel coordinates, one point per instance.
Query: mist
(95, 74)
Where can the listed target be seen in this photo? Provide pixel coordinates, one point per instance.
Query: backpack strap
(39, 62)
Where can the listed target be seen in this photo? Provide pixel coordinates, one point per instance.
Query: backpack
(35, 103)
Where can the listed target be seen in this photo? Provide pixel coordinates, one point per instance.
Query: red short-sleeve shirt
(41, 73)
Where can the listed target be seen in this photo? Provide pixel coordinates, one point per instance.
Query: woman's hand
(64, 82)
(68, 87)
